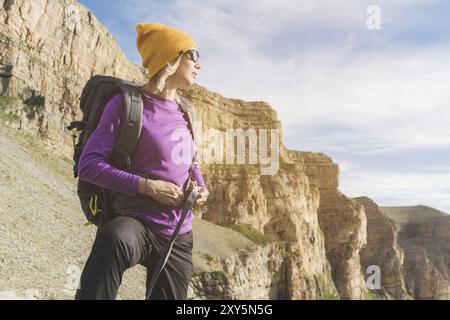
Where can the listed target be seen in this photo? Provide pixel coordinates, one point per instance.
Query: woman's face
(187, 70)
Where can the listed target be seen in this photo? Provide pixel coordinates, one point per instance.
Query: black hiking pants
(125, 242)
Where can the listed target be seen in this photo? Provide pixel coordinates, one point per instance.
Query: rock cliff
(411, 246)
(52, 48)
(384, 251)
(427, 251)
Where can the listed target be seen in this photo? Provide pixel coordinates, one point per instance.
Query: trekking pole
(188, 204)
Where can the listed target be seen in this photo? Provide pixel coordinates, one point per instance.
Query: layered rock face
(382, 250)
(52, 48)
(412, 249)
(342, 221)
(258, 273)
(282, 205)
(427, 263)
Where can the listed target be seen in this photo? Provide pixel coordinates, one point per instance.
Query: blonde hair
(157, 82)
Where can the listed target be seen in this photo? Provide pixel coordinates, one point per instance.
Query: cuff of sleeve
(134, 185)
(200, 184)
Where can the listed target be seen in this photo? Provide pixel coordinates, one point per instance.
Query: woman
(137, 236)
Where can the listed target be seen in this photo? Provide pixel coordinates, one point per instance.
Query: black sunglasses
(193, 55)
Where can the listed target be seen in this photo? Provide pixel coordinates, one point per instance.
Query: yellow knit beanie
(159, 44)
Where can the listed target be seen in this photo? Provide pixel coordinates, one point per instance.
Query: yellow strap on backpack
(93, 205)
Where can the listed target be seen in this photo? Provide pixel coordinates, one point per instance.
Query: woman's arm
(93, 165)
(203, 190)
(197, 176)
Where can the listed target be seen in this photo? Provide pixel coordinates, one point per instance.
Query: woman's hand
(202, 196)
(162, 191)
(169, 193)
(202, 193)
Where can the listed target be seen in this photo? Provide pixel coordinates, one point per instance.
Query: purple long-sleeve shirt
(164, 150)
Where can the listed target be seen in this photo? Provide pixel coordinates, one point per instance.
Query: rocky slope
(427, 250)
(405, 214)
(383, 250)
(411, 245)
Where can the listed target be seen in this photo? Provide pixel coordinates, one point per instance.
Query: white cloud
(335, 84)
(392, 97)
(387, 188)
(344, 166)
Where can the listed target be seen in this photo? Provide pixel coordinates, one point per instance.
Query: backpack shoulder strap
(189, 109)
(130, 126)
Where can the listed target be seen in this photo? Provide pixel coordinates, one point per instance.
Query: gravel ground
(43, 240)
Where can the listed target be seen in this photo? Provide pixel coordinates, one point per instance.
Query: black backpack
(95, 200)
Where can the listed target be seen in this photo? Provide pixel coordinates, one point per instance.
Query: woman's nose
(198, 66)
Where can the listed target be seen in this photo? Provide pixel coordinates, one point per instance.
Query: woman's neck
(167, 93)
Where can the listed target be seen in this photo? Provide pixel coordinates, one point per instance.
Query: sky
(365, 82)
